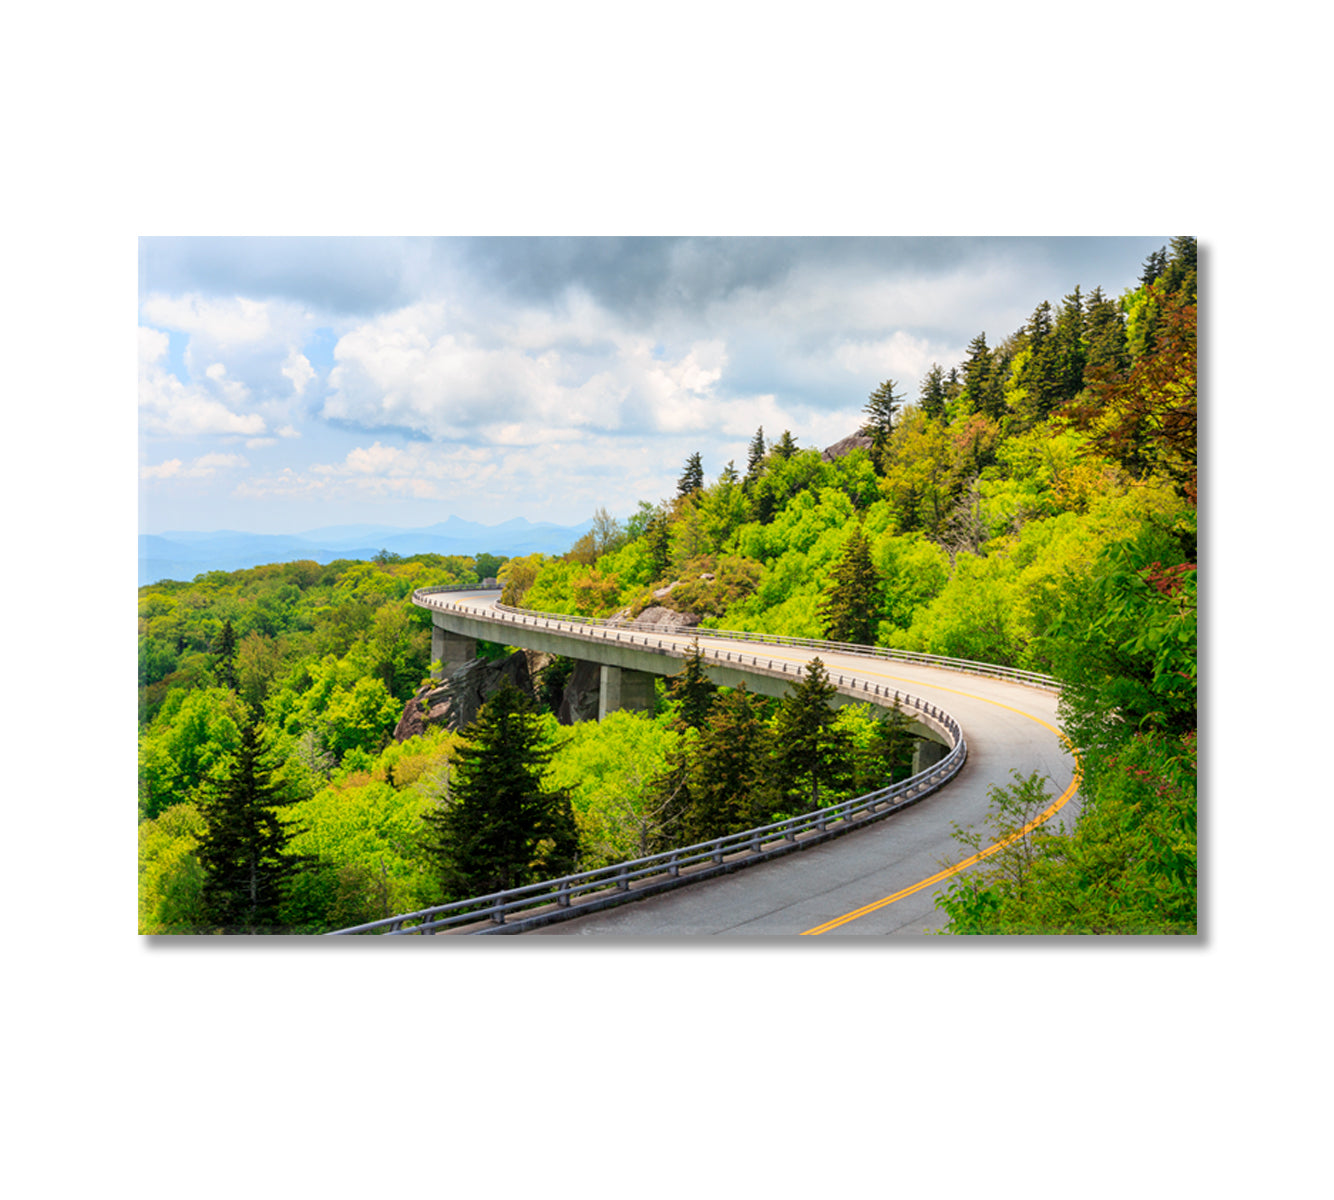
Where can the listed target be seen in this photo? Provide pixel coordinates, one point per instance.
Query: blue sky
(290, 383)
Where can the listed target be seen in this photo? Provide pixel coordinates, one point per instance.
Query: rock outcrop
(453, 702)
(579, 701)
(847, 445)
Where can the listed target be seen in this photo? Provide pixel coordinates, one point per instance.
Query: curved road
(878, 880)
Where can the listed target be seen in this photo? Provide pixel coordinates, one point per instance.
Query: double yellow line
(1054, 807)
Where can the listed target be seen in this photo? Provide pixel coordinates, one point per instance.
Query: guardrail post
(673, 867)
(497, 913)
(623, 881)
(563, 895)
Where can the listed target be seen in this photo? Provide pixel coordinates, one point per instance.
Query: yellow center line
(1046, 814)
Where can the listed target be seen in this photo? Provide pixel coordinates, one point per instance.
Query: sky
(290, 383)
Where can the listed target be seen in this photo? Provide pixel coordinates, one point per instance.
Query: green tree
(693, 691)
(692, 478)
(224, 652)
(755, 455)
(853, 600)
(933, 394)
(729, 781)
(785, 447)
(880, 408)
(243, 849)
(810, 751)
(501, 827)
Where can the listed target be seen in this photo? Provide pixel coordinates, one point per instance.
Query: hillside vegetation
(1033, 506)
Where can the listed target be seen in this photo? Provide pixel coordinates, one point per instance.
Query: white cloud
(168, 406)
(202, 468)
(234, 322)
(574, 368)
(297, 368)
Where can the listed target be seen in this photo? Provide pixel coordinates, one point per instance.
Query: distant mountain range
(185, 554)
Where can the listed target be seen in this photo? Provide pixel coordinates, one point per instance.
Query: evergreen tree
(880, 408)
(659, 538)
(1154, 266)
(933, 394)
(851, 607)
(811, 754)
(243, 850)
(1105, 331)
(785, 447)
(1179, 275)
(692, 478)
(889, 756)
(1070, 354)
(729, 473)
(692, 688)
(729, 789)
(977, 373)
(224, 651)
(1041, 377)
(502, 828)
(755, 454)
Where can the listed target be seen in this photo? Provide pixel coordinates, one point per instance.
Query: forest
(1033, 506)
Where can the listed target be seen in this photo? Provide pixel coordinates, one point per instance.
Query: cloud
(297, 368)
(203, 467)
(432, 370)
(168, 406)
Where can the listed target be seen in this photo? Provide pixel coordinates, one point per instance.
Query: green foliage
(692, 477)
(501, 826)
(170, 877)
(730, 786)
(610, 769)
(852, 605)
(692, 691)
(811, 749)
(1128, 867)
(243, 847)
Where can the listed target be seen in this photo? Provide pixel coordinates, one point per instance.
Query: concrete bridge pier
(450, 650)
(926, 754)
(620, 687)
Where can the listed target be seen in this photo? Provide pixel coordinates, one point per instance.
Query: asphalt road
(875, 880)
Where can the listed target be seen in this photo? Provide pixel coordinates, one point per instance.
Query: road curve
(877, 880)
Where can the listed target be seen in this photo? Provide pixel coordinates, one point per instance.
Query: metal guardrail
(554, 898)
(589, 889)
(968, 666)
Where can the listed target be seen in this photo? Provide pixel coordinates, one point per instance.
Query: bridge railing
(589, 890)
(969, 666)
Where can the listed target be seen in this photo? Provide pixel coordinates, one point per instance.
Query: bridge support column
(926, 754)
(621, 688)
(450, 650)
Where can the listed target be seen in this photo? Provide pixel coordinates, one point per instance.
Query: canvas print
(662, 587)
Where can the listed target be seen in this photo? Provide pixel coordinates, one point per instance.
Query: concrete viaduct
(880, 879)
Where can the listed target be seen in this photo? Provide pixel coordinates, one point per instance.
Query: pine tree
(755, 455)
(977, 373)
(224, 650)
(933, 396)
(692, 478)
(659, 538)
(889, 756)
(1105, 331)
(850, 610)
(880, 408)
(785, 447)
(729, 473)
(502, 827)
(692, 688)
(1154, 266)
(729, 788)
(1070, 354)
(244, 847)
(811, 754)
